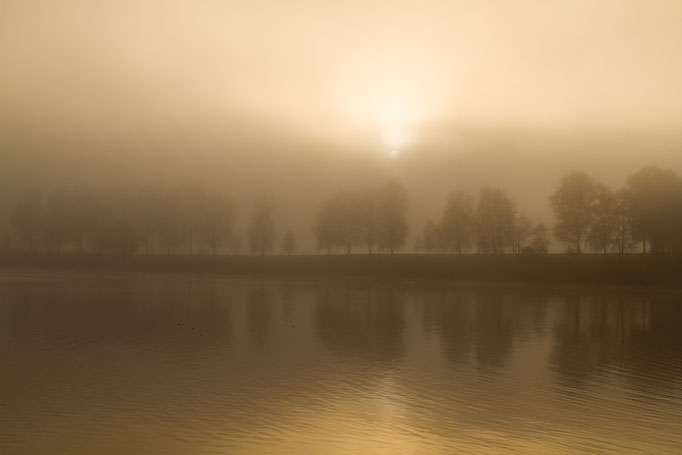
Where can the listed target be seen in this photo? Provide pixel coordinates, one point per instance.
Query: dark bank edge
(542, 269)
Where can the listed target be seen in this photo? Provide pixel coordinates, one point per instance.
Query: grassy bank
(583, 269)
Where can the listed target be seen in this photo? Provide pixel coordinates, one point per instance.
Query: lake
(126, 363)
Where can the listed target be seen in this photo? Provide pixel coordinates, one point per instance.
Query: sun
(394, 116)
(394, 137)
(388, 118)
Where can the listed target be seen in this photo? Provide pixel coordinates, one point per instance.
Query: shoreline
(586, 269)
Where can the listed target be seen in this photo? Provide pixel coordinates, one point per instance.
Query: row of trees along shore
(645, 215)
(489, 225)
(188, 219)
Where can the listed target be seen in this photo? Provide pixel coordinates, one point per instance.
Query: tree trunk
(577, 244)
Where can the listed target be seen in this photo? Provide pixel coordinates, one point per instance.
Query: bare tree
(347, 222)
(216, 222)
(190, 199)
(521, 231)
(495, 216)
(443, 240)
(391, 212)
(261, 227)
(367, 218)
(655, 205)
(430, 237)
(539, 242)
(113, 228)
(289, 243)
(79, 210)
(149, 208)
(624, 241)
(604, 228)
(236, 241)
(28, 219)
(56, 220)
(419, 244)
(574, 203)
(325, 227)
(457, 224)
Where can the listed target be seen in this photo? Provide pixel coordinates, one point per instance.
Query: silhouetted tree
(28, 219)
(170, 235)
(56, 220)
(603, 230)
(367, 218)
(236, 241)
(112, 229)
(391, 212)
(457, 225)
(81, 210)
(442, 240)
(216, 222)
(623, 223)
(261, 227)
(347, 224)
(190, 200)
(495, 216)
(429, 237)
(419, 244)
(289, 243)
(539, 242)
(325, 228)
(149, 217)
(574, 204)
(655, 205)
(521, 231)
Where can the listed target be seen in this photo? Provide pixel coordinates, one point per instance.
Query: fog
(298, 100)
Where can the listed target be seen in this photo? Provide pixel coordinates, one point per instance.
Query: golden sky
(299, 99)
(340, 70)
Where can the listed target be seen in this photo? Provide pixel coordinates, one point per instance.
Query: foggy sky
(300, 99)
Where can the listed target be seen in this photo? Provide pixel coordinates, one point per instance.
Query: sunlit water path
(201, 364)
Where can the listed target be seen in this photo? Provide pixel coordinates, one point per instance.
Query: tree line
(187, 219)
(644, 215)
(490, 224)
(372, 218)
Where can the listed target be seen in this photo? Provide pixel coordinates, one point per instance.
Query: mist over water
(123, 363)
(140, 139)
(301, 101)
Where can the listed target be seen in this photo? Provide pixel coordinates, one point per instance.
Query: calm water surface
(180, 364)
